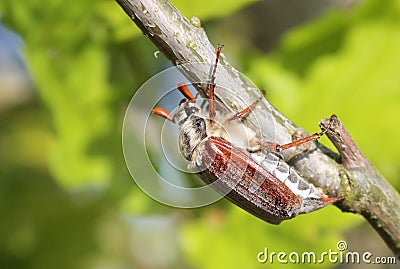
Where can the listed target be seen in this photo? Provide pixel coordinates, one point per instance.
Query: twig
(366, 191)
(183, 41)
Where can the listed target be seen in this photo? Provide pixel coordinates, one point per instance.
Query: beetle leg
(212, 84)
(301, 141)
(244, 112)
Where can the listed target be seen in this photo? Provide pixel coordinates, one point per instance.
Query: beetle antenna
(163, 113)
(183, 88)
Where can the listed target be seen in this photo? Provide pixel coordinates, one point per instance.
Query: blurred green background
(67, 73)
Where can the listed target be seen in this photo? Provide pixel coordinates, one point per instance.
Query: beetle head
(186, 109)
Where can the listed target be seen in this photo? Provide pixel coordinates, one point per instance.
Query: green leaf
(208, 9)
(78, 105)
(65, 51)
(300, 47)
(234, 239)
(357, 80)
(120, 26)
(361, 84)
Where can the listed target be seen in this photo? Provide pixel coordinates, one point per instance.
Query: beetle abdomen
(276, 166)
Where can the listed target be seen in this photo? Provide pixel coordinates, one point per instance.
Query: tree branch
(365, 191)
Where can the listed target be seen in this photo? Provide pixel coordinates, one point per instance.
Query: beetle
(250, 173)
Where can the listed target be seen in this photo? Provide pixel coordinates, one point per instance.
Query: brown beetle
(251, 175)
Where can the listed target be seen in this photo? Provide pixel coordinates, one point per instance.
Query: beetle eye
(182, 101)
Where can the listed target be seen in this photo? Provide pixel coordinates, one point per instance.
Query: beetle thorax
(195, 127)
